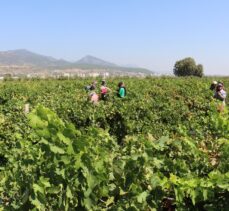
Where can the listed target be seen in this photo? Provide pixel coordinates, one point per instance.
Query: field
(163, 147)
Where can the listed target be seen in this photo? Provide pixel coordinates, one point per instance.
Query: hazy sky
(148, 33)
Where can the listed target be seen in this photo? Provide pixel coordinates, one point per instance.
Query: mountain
(27, 58)
(94, 61)
(91, 62)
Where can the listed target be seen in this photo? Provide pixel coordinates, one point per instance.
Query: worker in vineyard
(91, 87)
(93, 97)
(121, 90)
(220, 94)
(104, 91)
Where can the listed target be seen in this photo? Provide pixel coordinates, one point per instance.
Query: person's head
(93, 85)
(103, 83)
(219, 87)
(120, 84)
(220, 82)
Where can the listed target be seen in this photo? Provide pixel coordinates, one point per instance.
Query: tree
(188, 67)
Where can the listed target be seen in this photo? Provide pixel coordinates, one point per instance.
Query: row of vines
(163, 147)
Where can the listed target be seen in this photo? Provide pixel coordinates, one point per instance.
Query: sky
(147, 33)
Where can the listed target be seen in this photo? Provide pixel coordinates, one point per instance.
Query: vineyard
(162, 147)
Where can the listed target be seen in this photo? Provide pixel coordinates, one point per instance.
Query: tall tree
(188, 67)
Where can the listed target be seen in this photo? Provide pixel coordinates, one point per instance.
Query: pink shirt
(103, 89)
(94, 98)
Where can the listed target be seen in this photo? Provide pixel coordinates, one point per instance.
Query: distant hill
(94, 61)
(24, 57)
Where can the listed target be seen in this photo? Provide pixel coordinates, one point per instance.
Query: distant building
(94, 74)
(67, 75)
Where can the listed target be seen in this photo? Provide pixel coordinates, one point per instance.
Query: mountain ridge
(88, 59)
(21, 57)
(25, 57)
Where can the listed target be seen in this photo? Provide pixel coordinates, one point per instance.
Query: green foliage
(163, 147)
(188, 67)
(62, 163)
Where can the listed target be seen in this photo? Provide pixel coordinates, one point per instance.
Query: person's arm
(222, 94)
(109, 89)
